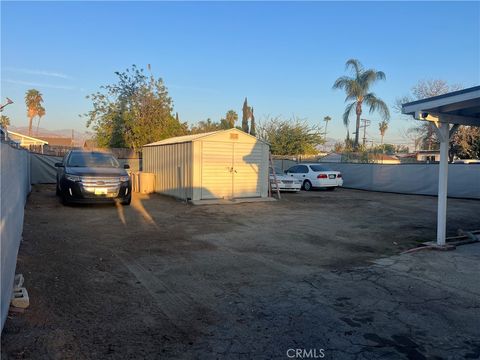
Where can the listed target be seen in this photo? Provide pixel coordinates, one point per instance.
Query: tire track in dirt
(178, 309)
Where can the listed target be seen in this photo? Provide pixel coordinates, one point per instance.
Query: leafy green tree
(245, 116)
(384, 148)
(33, 101)
(4, 121)
(132, 112)
(204, 126)
(290, 137)
(423, 131)
(465, 143)
(358, 92)
(338, 147)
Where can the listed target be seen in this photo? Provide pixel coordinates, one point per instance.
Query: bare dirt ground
(320, 270)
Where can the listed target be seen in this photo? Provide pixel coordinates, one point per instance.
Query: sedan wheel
(307, 185)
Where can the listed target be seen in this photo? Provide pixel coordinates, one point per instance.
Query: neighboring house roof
(58, 141)
(181, 139)
(428, 152)
(383, 157)
(405, 155)
(190, 138)
(18, 135)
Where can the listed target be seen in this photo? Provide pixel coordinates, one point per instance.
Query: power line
(366, 123)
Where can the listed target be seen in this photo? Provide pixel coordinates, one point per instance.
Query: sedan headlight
(73, 177)
(124, 178)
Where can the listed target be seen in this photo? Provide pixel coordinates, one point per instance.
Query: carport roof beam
(458, 108)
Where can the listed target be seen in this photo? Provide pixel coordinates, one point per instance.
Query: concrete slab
(232, 201)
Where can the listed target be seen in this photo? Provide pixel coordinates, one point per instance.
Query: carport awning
(460, 107)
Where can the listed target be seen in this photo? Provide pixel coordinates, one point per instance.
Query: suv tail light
(321, 176)
(339, 176)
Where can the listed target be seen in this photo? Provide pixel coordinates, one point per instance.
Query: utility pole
(326, 119)
(366, 123)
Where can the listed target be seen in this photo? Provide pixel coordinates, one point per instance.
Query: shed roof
(57, 140)
(15, 134)
(190, 138)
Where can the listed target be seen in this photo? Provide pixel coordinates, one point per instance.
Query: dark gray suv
(92, 176)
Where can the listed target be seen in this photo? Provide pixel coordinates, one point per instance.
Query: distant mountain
(78, 136)
(328, 146)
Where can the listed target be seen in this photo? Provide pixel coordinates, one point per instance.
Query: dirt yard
(319, 270)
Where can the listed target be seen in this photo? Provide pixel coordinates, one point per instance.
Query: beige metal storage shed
(224, 164)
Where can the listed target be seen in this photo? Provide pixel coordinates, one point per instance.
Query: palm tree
(4, 121)
(357, 89)
(383, 127)
(231, 117)
(40, 114)
(33, 100)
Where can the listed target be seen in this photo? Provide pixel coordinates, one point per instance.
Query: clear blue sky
(283, 56)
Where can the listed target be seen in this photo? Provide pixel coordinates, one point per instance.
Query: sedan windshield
(319, 168)
(92, 159)
(278, 172)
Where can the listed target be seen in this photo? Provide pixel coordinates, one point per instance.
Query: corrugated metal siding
(234, 169)
(165, 161)
(217, 173)
(208, 165)
(247, 161)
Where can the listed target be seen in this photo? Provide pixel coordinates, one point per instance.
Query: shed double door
(230, 170)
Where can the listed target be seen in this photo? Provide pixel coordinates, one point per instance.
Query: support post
(444, 136)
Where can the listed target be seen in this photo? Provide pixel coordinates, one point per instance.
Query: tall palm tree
(33, 100)
(40, 114)
(383, 127)
(357, 89)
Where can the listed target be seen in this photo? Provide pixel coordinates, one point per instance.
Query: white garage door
(230, 170)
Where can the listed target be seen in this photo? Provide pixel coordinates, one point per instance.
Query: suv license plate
(100, 191)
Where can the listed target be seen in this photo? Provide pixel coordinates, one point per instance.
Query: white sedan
(315, 176)
(285, 183)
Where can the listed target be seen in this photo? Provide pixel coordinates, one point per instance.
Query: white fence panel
(420, 179)
(14, 188)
